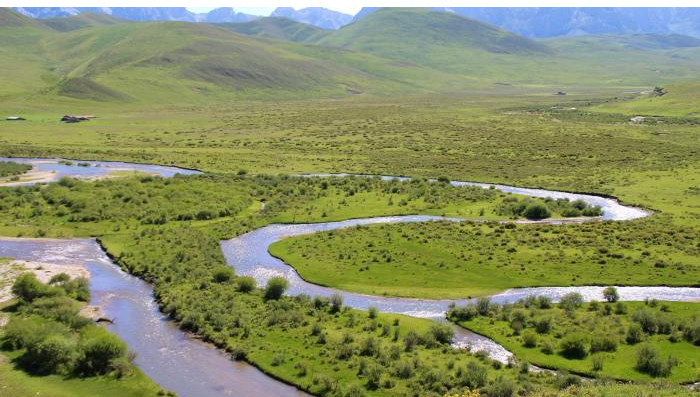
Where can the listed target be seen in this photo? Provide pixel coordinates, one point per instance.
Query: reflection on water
(92, 169)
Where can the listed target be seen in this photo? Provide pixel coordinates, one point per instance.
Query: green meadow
(596, 339)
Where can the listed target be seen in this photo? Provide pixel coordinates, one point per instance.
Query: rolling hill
(278, 28)
(99, 58)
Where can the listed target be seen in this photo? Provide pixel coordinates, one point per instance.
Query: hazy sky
(265, 11)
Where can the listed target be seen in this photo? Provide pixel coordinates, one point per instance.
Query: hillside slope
(278, 28)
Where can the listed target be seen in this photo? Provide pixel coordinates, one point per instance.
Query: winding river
(192, 368)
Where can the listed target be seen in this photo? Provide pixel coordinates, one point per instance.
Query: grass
(448, 260)
(17, 383)
(619, 364)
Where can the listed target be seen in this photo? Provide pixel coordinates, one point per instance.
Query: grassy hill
(278, 28)
(101, 59)
(80, 21)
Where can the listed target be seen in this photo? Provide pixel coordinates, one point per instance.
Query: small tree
(537, 211)
(574, 345)
(571, 301)
(610, 294)
(276, 287)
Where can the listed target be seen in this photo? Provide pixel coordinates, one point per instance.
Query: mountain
(439, 40)
(317, 16)
(80, 21)
(225, 14)
(547, 22)
(278, 28)
(47, 12)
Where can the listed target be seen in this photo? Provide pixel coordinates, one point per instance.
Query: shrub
(223, 274)
(403, 369)
(483, 306)
(23, 332)
(571, 301)
(634, 334)
(597, 363)
(275, 287)
(649, 362)
(464, 313)
(568, 380)
(442, 333)
(529, 339)
(547, 347)
(536, 211)
(646, 319)
(370, 346)
(603, 343)
(28, 288)
(574, 345)
(98, 352)
(373, 311)
(246, 284)
(610, 294)
(55, 354)
(373, 374)
(501, 387)
(336, 303)
(543, 325)
(278, 359)
(473, 376)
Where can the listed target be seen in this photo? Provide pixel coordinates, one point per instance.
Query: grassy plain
(596, 323)
(448, 260)
(17, 383)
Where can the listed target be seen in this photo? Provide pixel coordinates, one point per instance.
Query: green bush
(603, 343)
(610, 294)
(27, 287)
(246, 284)
(99, 349)
(574, 345)
(501, 387)
(275, 287)
(634, 334)
(473, 375)
(442, 333)
(571, 301)
(650, 362)
(54, 354)
(537, 211)
(529, 339)
(223, 274)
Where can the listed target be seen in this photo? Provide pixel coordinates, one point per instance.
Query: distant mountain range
(317, 16)
(544, 22)
(320, 17)
(102, 57)
(532, 22)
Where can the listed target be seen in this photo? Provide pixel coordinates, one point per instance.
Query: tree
(537, 211)
(610, 294)
(276, 287)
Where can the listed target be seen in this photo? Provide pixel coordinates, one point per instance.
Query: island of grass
(459, 260)
(621, 340)
(11, 169)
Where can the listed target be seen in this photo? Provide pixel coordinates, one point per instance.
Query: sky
(265, 11)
